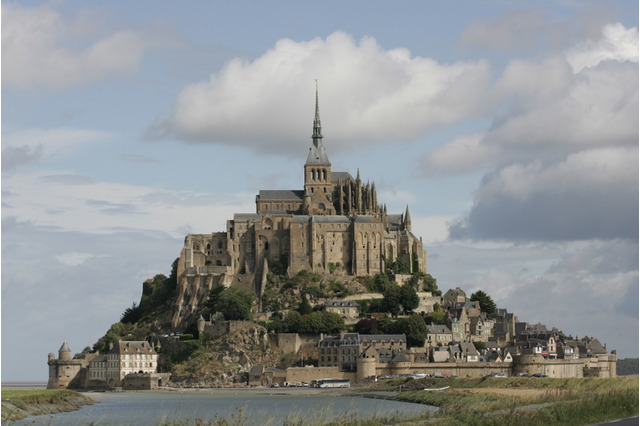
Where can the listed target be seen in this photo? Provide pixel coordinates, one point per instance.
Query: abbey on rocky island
(334, 225)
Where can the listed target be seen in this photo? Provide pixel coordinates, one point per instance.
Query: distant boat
(437, 389)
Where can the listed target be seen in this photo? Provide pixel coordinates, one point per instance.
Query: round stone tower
(366, 364)
(64, 353)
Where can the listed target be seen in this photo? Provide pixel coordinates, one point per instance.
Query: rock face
(225, 360)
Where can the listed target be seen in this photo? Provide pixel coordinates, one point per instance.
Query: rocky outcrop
(226, 361)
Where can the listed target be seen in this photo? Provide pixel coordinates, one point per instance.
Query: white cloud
(463, 154)
(40, 47)
(390, 95)
(617, 43)
(563, 155)
(74, 259)
(593, 194)
(433, 229)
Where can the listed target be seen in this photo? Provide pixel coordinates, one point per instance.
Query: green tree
(131, 315)
(214, 297)
(408, 298)
(380, 283)
(414, 328)
(486, 302)
(367, 326)
(431, 285)
(391, 300)
(322, 322)
(304, 307)
(435, 317)
(293, 321)
(235, 303)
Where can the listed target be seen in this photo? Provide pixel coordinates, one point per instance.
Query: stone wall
(289, 343)
(309, 373)
(145, 381)
(460, 369)
(535, 364)
(221, 328)
(601, 366)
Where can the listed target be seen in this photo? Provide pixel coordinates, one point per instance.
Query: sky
(509, 128)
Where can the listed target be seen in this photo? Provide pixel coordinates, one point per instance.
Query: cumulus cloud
(367, 95)
(563, 153)
(40, 47)
(593, 194)
(617, 44)
(462, 155)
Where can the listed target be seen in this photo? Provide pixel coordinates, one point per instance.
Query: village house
(453, 296)
(347, 309)
(438, 335)
(343, 351)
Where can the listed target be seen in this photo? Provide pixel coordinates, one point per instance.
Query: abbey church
(335, 224)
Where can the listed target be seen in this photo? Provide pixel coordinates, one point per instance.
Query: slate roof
(394, 219)
(243, 217)
(317, 156)
(468, 348)
(134, 347)
(341, 303)
(330, 219)
(366, 219)
(343, 176)
(439, 329)
(281, 194)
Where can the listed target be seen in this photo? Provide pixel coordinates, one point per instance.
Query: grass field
(524, 400)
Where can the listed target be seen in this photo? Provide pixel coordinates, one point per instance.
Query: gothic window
(219, 244)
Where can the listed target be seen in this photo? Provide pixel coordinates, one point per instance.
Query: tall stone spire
(317, 125)
(317, 155)
(407, 220)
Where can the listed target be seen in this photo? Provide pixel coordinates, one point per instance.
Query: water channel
(264, 407)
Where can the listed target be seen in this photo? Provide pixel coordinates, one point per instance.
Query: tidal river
(249, 407)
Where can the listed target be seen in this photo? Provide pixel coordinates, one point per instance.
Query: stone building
(129, 358)
(334, 224)
(347, 309)
(344, 351)
(129, 364)
(64, 370)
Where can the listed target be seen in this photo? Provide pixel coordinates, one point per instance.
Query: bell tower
(317, 169)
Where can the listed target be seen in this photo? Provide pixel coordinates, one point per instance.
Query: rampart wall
(309, 373)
